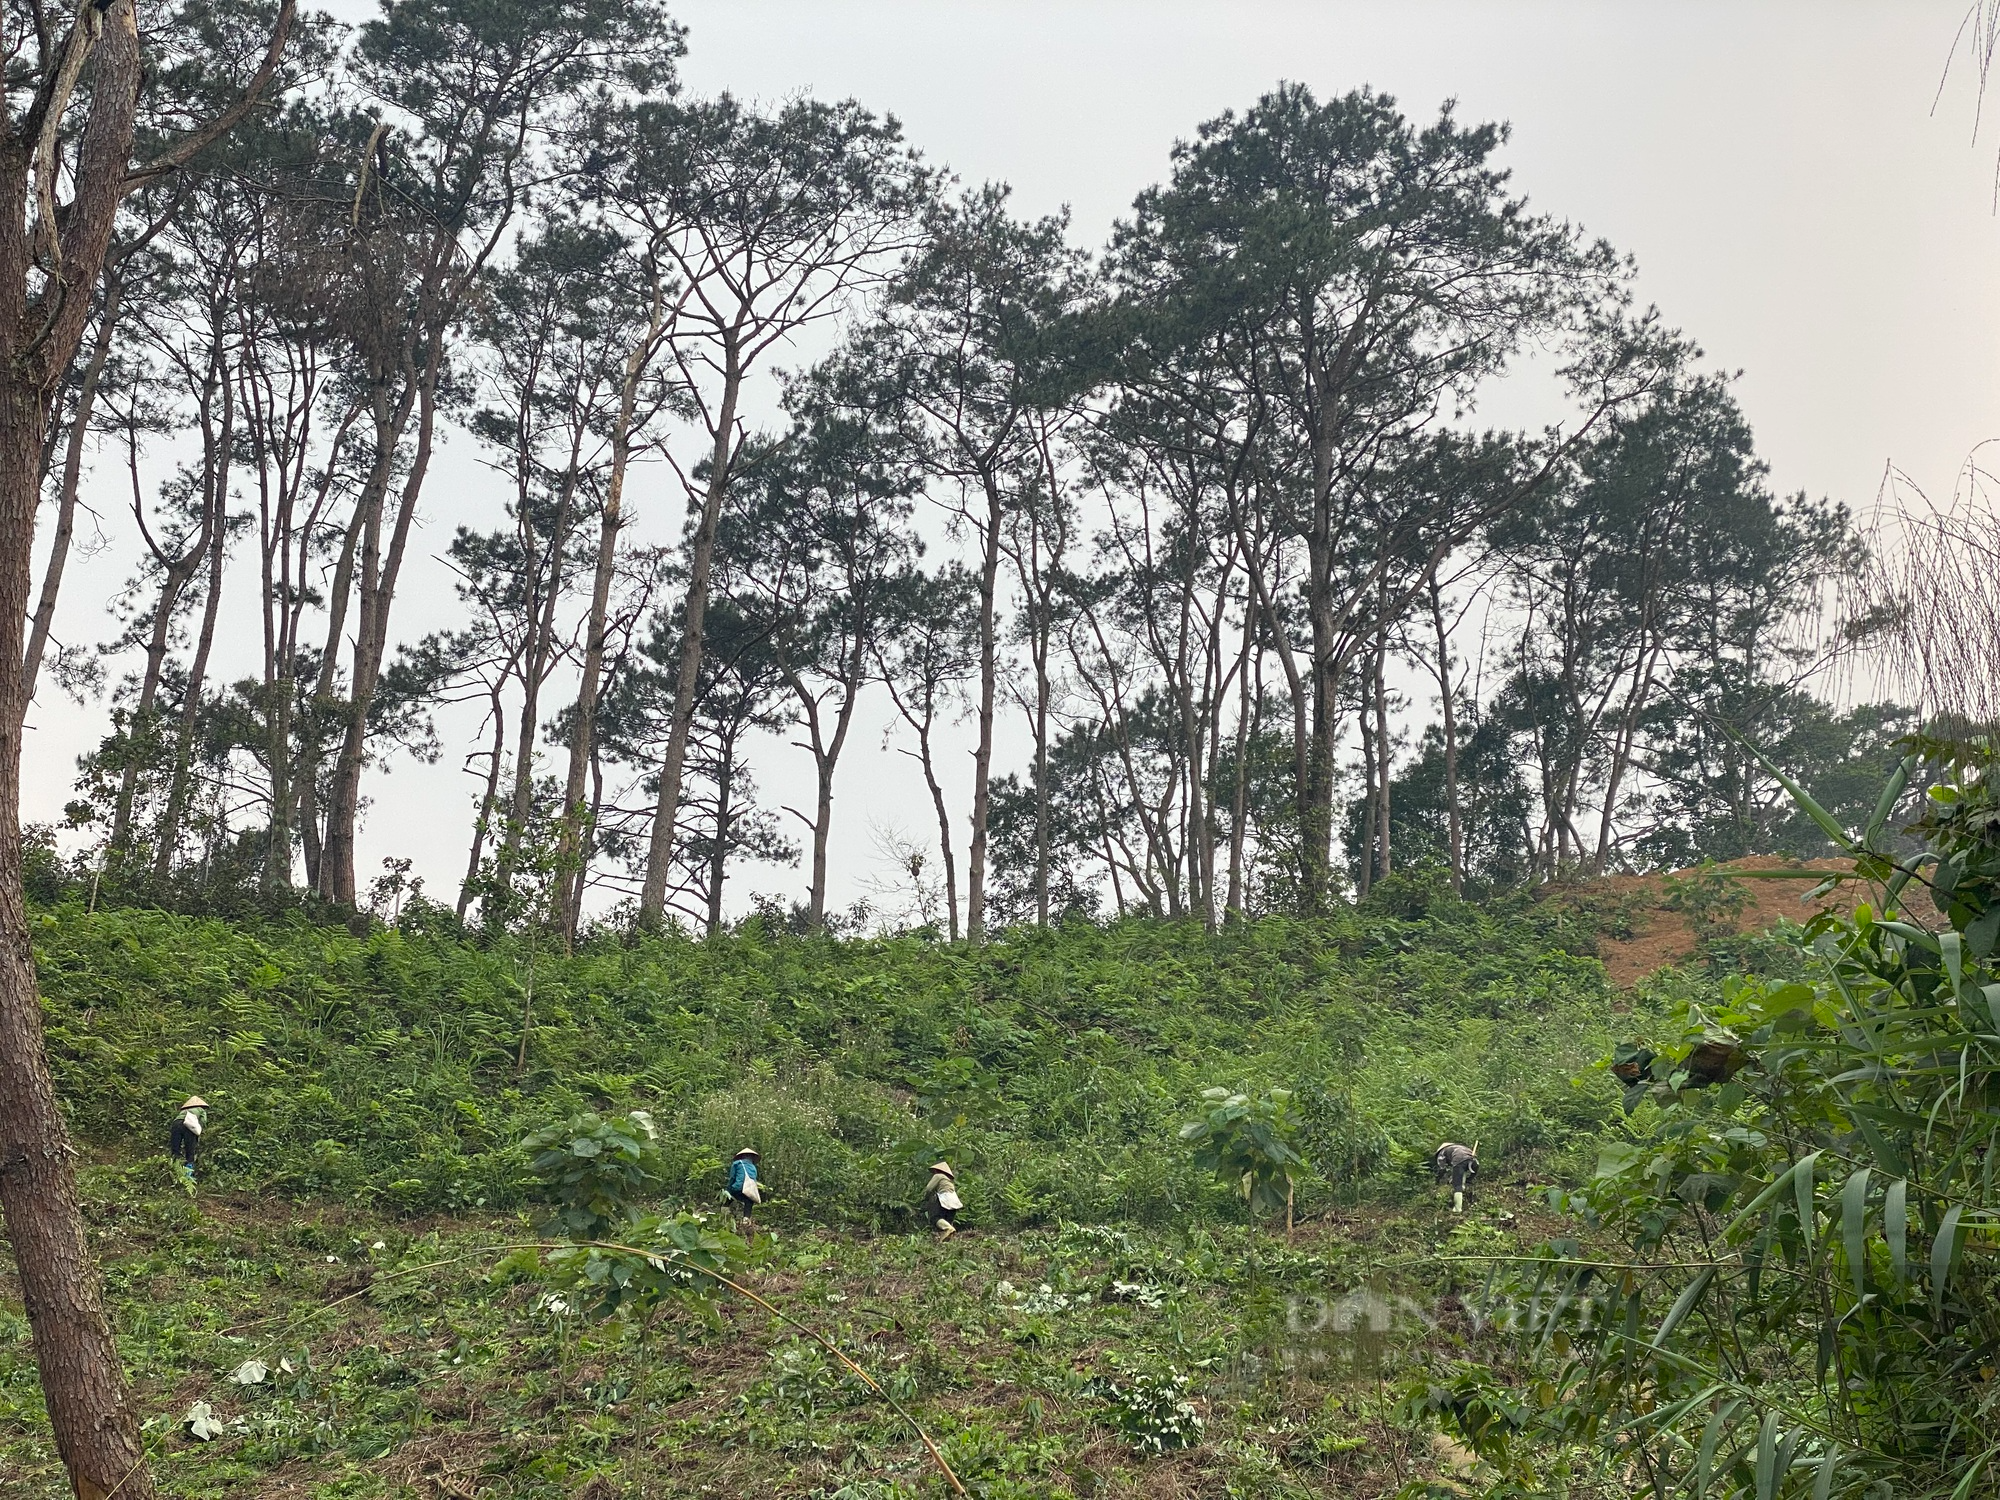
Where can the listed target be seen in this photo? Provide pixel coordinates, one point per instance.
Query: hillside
(363, 1186)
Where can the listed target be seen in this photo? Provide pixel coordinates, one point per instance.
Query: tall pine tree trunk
(701, 564)
(718, 855)
(982, 755)
(1384, 750)
(1455, 825)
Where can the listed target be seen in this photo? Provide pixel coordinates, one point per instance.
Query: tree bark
(177, 572)
(379, 572)
(536, 664)
(324, 702)
(982, 755)
(576, 829)
(218, 546)
(488, 801)
(944, 826)
(1383, 749)
(177, 790)
(90, 1412)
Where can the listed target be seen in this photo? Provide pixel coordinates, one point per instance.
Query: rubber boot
(1458, 1202)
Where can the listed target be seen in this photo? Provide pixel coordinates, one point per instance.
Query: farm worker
(184, 1139)
(744, 1191)
(1460, 1164)
(941, 1200)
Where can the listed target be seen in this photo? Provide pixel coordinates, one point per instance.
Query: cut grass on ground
(403, 1359)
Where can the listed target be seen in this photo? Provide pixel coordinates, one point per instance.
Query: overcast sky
(1792, 199)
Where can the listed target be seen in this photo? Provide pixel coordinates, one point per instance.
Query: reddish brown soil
(1662, 936)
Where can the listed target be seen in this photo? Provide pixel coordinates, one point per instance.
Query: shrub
(1247, 1144)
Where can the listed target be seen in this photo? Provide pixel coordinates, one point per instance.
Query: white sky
(1777, 169)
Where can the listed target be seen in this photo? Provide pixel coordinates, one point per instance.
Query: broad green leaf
(1823, 1482)
(1972, 1473)
(1944, 1255)
(1802, 1189)
(1896, 1229)
(1767, 1457)
(1683, 1305)
(1799, 795)
(1854, 1228)
(1951, 948)
(1711, 1439)
(1892, 792)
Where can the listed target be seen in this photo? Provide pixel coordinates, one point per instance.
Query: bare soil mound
(1660, 933)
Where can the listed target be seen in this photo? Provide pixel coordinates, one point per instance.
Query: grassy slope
(365, 1090)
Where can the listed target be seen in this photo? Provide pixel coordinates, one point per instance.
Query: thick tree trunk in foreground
(96, 1428)
(90, 1411)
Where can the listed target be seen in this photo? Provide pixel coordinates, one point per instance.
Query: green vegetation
(1054, 1067)
(381, 1185)
(413, 1358)
(1788, 1285)
(1735, 1236)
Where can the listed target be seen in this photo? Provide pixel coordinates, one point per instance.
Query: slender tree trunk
(72, 477)
(1383, 747)
(982, 755)
(943, 821)
(576, 829)
(177, 793)
(380, 569)
(826, 758)
(660, 848)
(323, 701)
(1455, 826)
(584, 849)
(489, 801)
(1041, 728)
(140, 728)
(218, 546)
(277, 874)
(535, 666)
(718, 856)
(1364, 857)
(1239, 799)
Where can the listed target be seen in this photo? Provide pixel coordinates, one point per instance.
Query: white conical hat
(195, 1101)
(941, 1166)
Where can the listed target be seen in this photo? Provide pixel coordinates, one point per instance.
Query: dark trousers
(182, 1144)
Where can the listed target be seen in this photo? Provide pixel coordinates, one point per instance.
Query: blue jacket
(741, 1170)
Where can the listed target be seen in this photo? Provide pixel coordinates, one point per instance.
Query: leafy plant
(618, 1255)
(595, 1169)
(1155, 1413)
(1247, 1143)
